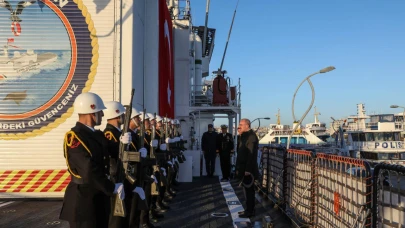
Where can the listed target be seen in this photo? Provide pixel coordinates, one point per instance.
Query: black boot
(161, 206)
(155, 215)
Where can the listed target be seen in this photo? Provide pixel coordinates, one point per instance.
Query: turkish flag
(10, 40)
(166, 62)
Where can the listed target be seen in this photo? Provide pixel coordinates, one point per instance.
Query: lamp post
(324, 70)
(403, 114)
(263, 118)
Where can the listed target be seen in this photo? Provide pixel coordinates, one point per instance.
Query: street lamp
(263, 118)
(403, 114)
(324, 70)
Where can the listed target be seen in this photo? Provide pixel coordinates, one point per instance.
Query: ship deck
(192, 207)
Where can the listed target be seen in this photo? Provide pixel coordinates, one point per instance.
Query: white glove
(170, 163)
(163, 147)
(143, 152)
(155, 143)
(126, 138)
(164, 171)
(119, 189)
(173, 160)
(167, 140)
(153, 176)
(140, 192)
(181, 137)
(176, 160)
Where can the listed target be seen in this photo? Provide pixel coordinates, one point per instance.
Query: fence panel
(276, 167)
(343, 193)
(389, 196)
(298, 184)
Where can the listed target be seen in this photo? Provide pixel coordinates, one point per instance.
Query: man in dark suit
(225, 150)
(209, 147)
(246, 164)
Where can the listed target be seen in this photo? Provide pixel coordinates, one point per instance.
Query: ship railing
(317, 189)
(388, 195)
(355, 128)
(183, 11)
(203, 95)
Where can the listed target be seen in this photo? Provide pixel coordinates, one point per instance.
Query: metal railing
(325, 190)
(202, 95)
(389, 196)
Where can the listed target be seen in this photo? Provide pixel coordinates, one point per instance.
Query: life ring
(16, 28)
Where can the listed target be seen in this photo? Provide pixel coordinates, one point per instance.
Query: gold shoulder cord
(133, 145)
(110, 134)
(69, 143)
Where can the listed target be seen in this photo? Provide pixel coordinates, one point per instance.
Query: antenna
(207, 9)
(278, 117)
(229, 35)
(316, 115)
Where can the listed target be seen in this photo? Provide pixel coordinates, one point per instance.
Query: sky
(276, 44)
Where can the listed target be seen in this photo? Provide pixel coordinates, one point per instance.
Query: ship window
(383, 156)
(370, 137)
(355, 137)
(374, 119)
(388, 136)
(384, 136)
(402, 156)
(368, 155)
(378, 136)
(362, 137)
(387, 118)
(394, 156)
(397, 136)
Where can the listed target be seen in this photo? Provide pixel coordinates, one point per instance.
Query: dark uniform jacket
(113, 136)
(209, 142)
(87, 195)
(225, 143)
(135, 141)
(246, 160)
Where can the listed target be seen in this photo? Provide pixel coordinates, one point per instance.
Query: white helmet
(176, 121)
(135, 113)
(114, 109)
(172, 121)
(87, 103)
(158, 118)
(141, 116)
(150, 116)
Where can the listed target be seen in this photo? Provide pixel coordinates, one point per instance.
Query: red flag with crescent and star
(166, 63)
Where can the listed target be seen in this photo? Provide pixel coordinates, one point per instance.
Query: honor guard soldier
(114, 113)
(162, 161)
(225, 148)
(134, 126)
(153, 144)
(86, 202)
(148, 177)
(138, 202)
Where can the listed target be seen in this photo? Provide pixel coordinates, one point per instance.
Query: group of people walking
(246, 168)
